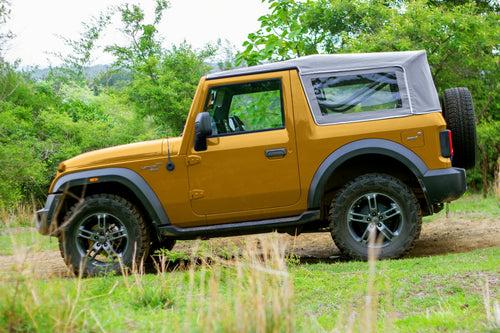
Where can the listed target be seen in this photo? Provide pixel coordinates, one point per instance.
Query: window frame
(282, 106)
(342, 118)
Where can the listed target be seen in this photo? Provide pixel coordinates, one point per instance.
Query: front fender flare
(358, 148)
(124, 176)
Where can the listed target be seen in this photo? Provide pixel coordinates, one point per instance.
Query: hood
(123, 153)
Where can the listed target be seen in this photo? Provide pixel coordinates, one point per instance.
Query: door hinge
(196, 194)
(193, 159)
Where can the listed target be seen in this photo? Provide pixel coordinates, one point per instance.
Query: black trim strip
(240, 228)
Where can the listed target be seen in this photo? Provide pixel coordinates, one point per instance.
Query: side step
(240, 228)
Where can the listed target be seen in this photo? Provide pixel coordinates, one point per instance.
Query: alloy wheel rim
(375, 212)
(102, 238)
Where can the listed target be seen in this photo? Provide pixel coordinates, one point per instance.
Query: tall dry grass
(249, 291)
(21, 215)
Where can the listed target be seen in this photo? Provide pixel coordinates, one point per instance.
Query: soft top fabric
(420, 85)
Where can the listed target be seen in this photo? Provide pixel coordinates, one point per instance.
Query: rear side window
(339, 97)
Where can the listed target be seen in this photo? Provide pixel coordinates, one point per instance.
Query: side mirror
(202, 129)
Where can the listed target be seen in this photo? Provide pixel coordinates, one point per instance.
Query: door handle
(279, 152)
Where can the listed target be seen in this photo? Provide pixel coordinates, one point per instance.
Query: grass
(471, 205)
(26, 238)
(261, 290)
(442, 293)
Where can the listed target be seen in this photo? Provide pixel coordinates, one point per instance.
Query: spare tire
(458, 111)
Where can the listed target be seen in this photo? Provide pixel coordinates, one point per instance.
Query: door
(251, 161)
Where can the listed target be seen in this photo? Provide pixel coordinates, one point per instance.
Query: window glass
(346, 94)
(248, 107)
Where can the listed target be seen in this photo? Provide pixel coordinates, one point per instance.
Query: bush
(39, 128)
(483, 175)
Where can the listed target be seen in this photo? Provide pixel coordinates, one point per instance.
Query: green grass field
(262, 293)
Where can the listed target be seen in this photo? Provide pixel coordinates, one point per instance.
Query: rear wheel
(458, 112)
(379, 205)
(103, 234)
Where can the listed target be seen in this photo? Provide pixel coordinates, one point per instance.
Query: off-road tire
(128, 214)
(458, 111)
(386, 185)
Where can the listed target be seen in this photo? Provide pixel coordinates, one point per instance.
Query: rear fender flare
(358, 148)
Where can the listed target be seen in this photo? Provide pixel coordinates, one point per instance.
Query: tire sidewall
(92, 206)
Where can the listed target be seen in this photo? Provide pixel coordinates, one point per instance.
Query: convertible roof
(329, 62)
(421, 87)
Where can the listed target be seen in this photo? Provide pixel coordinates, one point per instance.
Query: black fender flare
(358, 148)
(126, 177)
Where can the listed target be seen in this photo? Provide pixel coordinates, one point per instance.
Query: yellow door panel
(234, 174)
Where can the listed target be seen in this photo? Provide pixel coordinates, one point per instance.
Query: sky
(37, 25)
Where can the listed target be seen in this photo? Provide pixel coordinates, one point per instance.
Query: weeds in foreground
(247, 291)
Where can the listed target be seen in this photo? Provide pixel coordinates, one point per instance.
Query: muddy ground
(441, 236)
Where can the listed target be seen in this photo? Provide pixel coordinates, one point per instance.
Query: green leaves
(461, 39)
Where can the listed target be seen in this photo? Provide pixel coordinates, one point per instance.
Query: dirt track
(455, 234)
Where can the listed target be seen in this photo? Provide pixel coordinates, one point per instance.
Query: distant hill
(90, 72)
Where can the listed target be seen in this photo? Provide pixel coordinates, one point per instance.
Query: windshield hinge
(193, 159)
(196, 194)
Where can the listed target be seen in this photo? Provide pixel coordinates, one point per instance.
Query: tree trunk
(497, 179)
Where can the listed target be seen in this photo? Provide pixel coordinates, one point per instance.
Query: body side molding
(358, 148)
(124, 176)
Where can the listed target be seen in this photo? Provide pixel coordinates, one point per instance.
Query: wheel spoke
(393, 211)
(356, 217)
(372, 201)
(114, 235)
(388, 234)
(108, 247)
(366, 235)
(101, 221)
(87, 234)
(94, 250)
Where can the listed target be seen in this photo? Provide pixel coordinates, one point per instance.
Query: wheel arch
(120, 181)
(367, 156)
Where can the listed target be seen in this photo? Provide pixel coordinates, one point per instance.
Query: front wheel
(378, 205)
(105, 233)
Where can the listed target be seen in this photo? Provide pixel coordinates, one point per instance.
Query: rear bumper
(43, 217)
(444, 185)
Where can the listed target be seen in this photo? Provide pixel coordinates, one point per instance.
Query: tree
(461, 40)
(80, 55)
(163, 81)
(5, 35)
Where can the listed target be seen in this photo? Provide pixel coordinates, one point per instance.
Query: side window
(247, 107)
(346, 94)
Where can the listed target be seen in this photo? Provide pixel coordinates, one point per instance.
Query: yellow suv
(353, 144)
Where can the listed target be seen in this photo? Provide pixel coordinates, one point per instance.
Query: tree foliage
(43, 122)
(80, 52)
(461, 40)
(163, 80)
(40, 127)
(5, 35)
